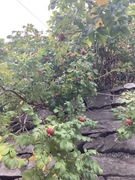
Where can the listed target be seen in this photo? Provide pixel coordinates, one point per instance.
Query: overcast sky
(13, 15)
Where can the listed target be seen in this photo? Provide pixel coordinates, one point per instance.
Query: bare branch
(12, 91)
(20, 97)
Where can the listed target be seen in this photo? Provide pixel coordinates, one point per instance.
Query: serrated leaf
(4, 151)
(125, 32)
(88, 42)
(115, 30)
(27, 174)
(102, 31)
(101, 39)
(24, 108)
(22, 163)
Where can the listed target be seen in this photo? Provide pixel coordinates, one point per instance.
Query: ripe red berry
(83, 52)
(82, 119)
(33, 53)
(50, 131)
(129, 122)
(61, 37)
(46, 58)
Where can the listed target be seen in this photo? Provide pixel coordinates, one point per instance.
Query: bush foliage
(83, 51)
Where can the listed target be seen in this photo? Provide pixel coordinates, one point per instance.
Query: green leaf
(22, 163)
(96, 168)
(102, 30)
(78, 23)
(61, 166)
(24, 139)
(28, 174)
(100, 38)
(92, 37)
(4, 151)
(25, 108)
(121, 130)
(122, 18)
(125, 32)
(92, 151)
(115, 30)
(10, 163)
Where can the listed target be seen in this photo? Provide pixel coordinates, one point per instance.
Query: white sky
(13, 15)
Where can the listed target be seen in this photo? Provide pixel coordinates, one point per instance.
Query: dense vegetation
(89, 47)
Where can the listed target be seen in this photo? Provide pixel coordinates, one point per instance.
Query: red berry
(50, 131)
(129, 122)
(61, 37)
(46, 58)
(33, 53)
(83, 52)
(82, 119)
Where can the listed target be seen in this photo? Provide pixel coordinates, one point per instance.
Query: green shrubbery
(56, 73)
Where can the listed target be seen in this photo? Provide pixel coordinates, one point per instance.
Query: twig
(114, 70)
(108, 94)
(12, 91)
(19, 96)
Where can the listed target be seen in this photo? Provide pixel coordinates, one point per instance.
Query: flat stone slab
(120, 178)
(14, 173)
(116, 168)
(9, 173)
(102, 128)
(127, 86)
(111, 144)
(103, 99)
(100, 101)
(100, 114)
(101, 178)
(25, 149)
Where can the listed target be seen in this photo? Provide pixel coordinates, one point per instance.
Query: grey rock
(43, 113)
(100, 114)
(116, 158)
(101, 178)
(102, 128)
(103, 99)
(110, 144)
(116, 167)
(25, 149)
(129, 86)
(16, 173)
(6, 173)
(117, 89)
(105, 122)
(9, 173)
(100, 100)
(120, 178)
